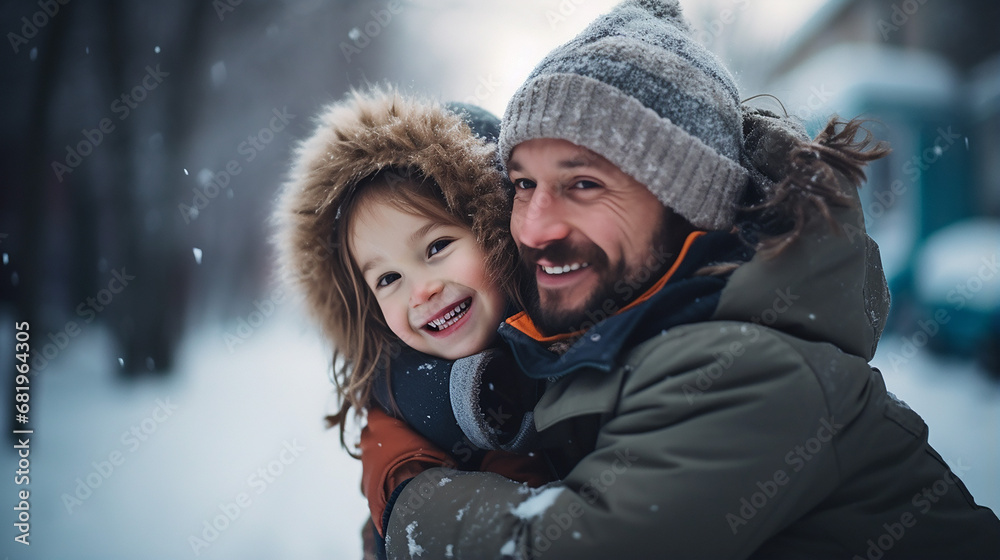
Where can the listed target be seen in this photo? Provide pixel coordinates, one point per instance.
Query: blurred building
(928, 74)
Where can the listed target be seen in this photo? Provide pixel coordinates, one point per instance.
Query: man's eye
(438, 246)
(522, 184)
(586, 185)
(387, 279)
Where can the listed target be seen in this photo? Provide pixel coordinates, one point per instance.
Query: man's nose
(541, 220)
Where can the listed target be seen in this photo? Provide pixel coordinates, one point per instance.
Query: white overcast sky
(476, 44)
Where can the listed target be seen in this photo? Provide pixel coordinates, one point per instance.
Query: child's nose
(424, 290)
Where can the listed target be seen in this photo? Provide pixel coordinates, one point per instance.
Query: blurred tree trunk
(171, 267)
(38, 174)
(125, 316)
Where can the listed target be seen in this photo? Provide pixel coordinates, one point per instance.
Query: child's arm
(494, 401)
(392, 453)
(463, 406)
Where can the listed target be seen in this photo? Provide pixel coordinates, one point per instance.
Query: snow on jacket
(722, 418)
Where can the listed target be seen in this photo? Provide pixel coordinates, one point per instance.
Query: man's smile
(557, 270)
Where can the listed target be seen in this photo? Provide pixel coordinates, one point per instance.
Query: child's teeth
(449, 318)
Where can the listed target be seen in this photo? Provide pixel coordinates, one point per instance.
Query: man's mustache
(563, 252)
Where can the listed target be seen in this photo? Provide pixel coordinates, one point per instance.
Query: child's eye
(438, 246)
(522, 184)
(386, 279)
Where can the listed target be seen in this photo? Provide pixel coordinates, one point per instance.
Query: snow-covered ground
(239, 435)
(225, 424)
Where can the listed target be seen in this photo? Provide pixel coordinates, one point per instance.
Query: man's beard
(616, 287)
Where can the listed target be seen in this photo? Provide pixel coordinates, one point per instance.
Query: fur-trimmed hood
(362, 135)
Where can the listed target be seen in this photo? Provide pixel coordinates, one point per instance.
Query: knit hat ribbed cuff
(683, 172)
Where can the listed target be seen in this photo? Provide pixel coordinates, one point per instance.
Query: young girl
(381, 226)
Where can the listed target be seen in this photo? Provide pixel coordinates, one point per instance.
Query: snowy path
(208, 431)
(247, 422)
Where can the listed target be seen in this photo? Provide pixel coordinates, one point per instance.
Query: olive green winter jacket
(721, 418)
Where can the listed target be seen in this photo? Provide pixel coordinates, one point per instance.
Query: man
(703, 401)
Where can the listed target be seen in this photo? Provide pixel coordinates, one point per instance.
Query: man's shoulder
(715, 358)
(695, 341)
(722, 354)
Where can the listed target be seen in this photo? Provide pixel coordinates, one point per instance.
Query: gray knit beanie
(636, 88)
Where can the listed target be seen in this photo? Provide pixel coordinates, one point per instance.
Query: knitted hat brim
(685, 174)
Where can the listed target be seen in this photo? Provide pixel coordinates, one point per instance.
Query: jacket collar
(523, 323)
(676, 298)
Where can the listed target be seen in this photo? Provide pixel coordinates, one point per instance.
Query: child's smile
(449, 317)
